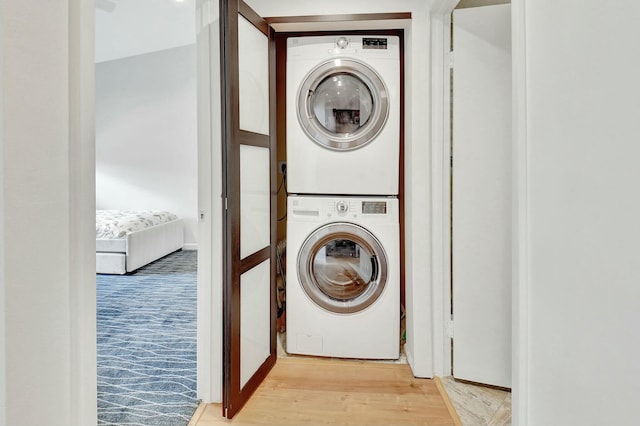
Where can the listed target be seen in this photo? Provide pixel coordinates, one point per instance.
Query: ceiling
(127, 28)
(133, 27)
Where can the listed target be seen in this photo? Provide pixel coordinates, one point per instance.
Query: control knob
(342, 207)
(342, 42)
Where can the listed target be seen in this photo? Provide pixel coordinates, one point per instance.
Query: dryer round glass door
(342, 267)
(343, 104)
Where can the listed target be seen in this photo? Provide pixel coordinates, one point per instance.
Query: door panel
(255, 232)
(253, 60)
(249, 184)
(481, 195)
(254, 320)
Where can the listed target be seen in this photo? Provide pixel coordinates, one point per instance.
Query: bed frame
(119, 256)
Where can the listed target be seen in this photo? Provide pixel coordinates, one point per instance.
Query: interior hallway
(314, 391)
(468, 404)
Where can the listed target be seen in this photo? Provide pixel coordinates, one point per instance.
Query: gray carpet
(147, 344)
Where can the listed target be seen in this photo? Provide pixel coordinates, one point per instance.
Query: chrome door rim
(318, 239)
(343, 141)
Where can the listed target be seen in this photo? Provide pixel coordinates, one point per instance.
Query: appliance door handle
(374, 268)
(310, 113)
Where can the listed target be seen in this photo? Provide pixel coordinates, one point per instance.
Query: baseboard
(447, 401)
(190, 246)
(198, 413)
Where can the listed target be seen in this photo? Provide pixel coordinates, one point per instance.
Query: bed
(127, 240)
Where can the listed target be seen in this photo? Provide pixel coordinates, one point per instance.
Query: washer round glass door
(343, 104)
(342, 267)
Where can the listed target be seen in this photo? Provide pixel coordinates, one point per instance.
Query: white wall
(268, 8)
(3, 349)
(143, 26)
(146, 135)
(209, 202)
(578, 103)
(48, 255)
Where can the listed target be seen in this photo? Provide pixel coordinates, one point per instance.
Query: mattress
(116, 224)
(111, 245)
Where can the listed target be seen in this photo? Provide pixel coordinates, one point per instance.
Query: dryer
(343, 277)
(343, 115)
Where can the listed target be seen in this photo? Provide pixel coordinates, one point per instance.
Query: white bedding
(114, 224)
(127, 240)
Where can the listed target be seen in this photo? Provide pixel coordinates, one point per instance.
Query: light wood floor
(312, 391)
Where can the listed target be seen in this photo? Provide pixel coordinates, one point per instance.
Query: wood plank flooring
(312, 391)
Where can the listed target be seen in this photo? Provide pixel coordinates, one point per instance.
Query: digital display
(374, 43)
(374, 207)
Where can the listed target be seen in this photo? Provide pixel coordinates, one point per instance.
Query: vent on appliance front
(374, 43)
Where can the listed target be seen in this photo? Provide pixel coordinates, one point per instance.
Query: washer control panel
(309, 208)
(342, 42)
(342, 206)
(374, 207)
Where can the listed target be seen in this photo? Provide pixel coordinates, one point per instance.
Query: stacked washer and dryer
(343, 238)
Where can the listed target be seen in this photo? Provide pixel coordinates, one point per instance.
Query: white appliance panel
(372, 333)
(371, 169)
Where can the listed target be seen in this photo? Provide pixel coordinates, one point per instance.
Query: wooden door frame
(234, 394)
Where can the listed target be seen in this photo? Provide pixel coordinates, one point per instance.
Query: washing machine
(343, 277)
(343, 115)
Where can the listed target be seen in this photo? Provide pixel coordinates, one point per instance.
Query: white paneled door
(481, 195)
(248, 182)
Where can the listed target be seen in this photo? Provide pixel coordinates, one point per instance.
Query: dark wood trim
(273, 136)
(254, 139)
(337, 18)
(287, 34)
(281, 125)
(254, 259)
(234, 395)
(251, 16)
(401, 182)
(229, 73)
(255, 381)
